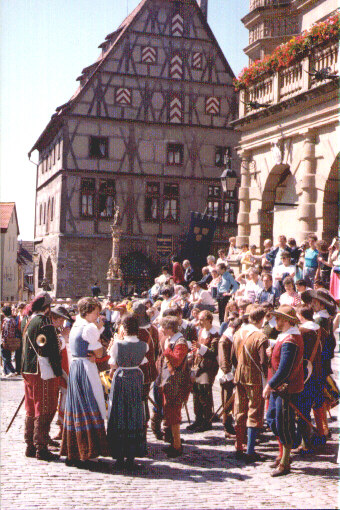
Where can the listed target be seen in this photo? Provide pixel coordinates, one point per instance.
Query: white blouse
(91, 333)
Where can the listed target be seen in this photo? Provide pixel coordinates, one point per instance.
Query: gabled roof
(6, 211)
(110, 43)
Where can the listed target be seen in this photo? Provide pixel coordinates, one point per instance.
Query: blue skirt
(84, 434)
(126, 431)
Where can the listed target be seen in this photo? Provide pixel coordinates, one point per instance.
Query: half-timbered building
(148, 130)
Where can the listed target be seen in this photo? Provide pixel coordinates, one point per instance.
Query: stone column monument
(114, 274)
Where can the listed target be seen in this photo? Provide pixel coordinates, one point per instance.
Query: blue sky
(45, 44)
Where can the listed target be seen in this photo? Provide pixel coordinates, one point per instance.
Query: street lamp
(228, 177)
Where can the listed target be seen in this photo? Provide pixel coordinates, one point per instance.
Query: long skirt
(126, 432)
(84, 434)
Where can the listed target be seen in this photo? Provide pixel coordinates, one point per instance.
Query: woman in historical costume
(84, 435)
(126, 424)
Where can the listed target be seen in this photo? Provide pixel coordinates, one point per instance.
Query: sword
(15, 414)
(227, 404)
(186, 410)
(299, 413)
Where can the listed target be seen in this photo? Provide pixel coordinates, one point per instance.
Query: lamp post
(229, 182)
(228, 177)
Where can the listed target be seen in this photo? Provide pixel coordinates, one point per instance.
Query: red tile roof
(6, 210)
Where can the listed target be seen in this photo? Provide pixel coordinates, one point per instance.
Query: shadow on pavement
(153, 469)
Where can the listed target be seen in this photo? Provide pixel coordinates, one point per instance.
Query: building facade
(148, 130)
(8, 252)
(289, 125)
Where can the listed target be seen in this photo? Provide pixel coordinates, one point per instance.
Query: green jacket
(39, 325)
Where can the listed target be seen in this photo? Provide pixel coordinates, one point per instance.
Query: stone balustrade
(290, 81)
(254, 4)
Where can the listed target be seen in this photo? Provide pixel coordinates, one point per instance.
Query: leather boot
(28, 435)
(41, 432)
(240, 433)
(167, 436)
(156, 421)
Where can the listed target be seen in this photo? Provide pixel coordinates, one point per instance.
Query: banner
(164, 245)
(196, 247)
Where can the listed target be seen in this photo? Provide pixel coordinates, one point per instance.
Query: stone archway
(138, 271)
(279, 204)
(49, 271)
(331, 201)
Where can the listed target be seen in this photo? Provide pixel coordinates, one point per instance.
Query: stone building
(147, 129)
(8, 252)
(289, 124)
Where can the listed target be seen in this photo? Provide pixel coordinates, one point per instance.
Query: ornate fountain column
(114, 274)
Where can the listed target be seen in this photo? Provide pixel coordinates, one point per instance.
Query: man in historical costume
(174, 381)
(41, 396)
(206, 365)
(62, 321)
(312, 394)
(250, 360)
(286, 382)
(149, 334)
(324, 307)
(226, 380)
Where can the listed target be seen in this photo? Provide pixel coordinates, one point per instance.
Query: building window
(175, 153)
(152, 200)
(49, 161)
(214, 201)
(53, 154)
(88, 189)
(99, 147)
(52, 209)
(44, 221)
(221, 153)
(40, 214)
(106, 198)
(171, 203)
(58, 149)
(230, 208)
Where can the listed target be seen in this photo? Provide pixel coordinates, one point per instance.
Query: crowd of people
(269, 346)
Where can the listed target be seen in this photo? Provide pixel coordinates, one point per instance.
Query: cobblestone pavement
(205, 477)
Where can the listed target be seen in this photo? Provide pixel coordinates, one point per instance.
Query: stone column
(114, 275)
(308, 197)
(244, 201)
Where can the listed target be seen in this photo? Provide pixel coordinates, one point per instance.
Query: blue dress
(84, 434)
(126, 430)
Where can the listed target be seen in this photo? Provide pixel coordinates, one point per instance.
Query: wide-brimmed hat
(139, 310)
(41, 301)
(321, 295)
(287, 312)
(61, 312)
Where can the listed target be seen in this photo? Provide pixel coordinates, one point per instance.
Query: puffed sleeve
(91, 334)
